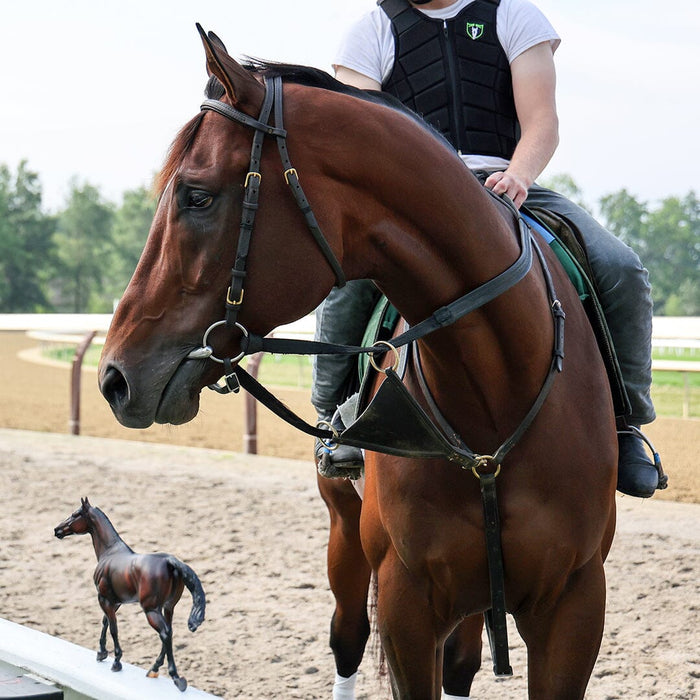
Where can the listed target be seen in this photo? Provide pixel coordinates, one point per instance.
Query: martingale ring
(209, 351)
(482, 462)
(394, 366)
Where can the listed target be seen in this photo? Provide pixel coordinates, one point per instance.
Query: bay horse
(395, 205)
(155, 581)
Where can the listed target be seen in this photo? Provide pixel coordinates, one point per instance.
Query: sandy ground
(255, 531)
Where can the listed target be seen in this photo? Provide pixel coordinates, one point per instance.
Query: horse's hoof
(117, 666)
(152, 674)
(101, 655)
(181, 683)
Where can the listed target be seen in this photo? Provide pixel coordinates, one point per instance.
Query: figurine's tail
(194, 586)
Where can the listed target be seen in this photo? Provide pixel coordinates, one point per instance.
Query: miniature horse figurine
(156, 581)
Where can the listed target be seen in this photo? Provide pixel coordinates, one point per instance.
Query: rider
(482, 73)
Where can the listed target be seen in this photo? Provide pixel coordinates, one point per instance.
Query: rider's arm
(534, 82)
(358, 80)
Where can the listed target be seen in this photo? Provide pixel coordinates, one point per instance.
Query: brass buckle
(252, 174)
(290, 171)
(230, 301)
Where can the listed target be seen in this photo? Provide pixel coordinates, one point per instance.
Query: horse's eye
(198, 199)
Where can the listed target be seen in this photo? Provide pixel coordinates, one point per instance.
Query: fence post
(75, 382)
(250, 436)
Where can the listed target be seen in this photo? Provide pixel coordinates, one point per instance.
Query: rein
(235, 377)
(251, 343)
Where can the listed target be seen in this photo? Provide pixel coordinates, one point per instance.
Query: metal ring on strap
(328, 443)
(397, 359)
(481, 462)
(207, 352)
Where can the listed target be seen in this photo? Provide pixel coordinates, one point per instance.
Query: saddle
(566, 242)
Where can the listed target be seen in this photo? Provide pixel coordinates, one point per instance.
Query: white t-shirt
(368, 46)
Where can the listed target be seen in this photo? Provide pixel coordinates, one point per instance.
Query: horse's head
(78, 523)
(150, 370)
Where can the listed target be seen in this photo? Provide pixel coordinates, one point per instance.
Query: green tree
(625, 216)
(667, 239)
(83, 241)
(132, 221)
(25, 242)
(672, 232)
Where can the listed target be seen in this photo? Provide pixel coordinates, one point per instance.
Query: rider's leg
(342, 318)
(625, 295)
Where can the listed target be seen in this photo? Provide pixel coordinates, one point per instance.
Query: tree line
(80, 259)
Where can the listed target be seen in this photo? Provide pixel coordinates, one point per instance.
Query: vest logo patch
(475, 31)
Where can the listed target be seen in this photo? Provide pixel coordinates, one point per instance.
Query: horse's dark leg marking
(348, 574)
(462, 656)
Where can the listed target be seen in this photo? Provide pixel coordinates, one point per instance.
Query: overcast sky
(98, 88)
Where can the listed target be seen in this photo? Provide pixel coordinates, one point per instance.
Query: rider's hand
(506, 182)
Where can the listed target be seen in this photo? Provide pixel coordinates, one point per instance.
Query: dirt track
(255, 531)
(36, 397)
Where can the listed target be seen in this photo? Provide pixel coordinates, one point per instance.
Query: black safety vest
(456, 75)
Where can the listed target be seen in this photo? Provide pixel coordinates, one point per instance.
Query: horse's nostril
(114, 387)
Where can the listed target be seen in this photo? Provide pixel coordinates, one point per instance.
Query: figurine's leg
(110, 612)
(157, 621)
(159, 625)
(102, 650)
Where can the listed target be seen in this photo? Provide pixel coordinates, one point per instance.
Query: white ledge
(75, 667)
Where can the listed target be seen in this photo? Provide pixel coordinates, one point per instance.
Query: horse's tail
(194, 586)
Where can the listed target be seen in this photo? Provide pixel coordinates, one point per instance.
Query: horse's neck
(432, 235)
(414, 219)
(105, 538)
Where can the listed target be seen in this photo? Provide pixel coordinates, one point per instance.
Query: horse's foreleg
(407, 626)
(563, 642)
(165, 632)
(462, 657)
(349, 576)
(110, 618)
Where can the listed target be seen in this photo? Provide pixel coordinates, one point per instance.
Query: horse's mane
(291, 73)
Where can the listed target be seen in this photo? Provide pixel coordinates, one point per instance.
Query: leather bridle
(235, 376)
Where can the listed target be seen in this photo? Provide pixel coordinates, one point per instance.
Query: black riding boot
(337, 461)
(637, 475)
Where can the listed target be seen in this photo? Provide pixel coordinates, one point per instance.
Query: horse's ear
(241, 86)
(84, 502)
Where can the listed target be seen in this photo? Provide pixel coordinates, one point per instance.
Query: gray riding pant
(625, 295)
